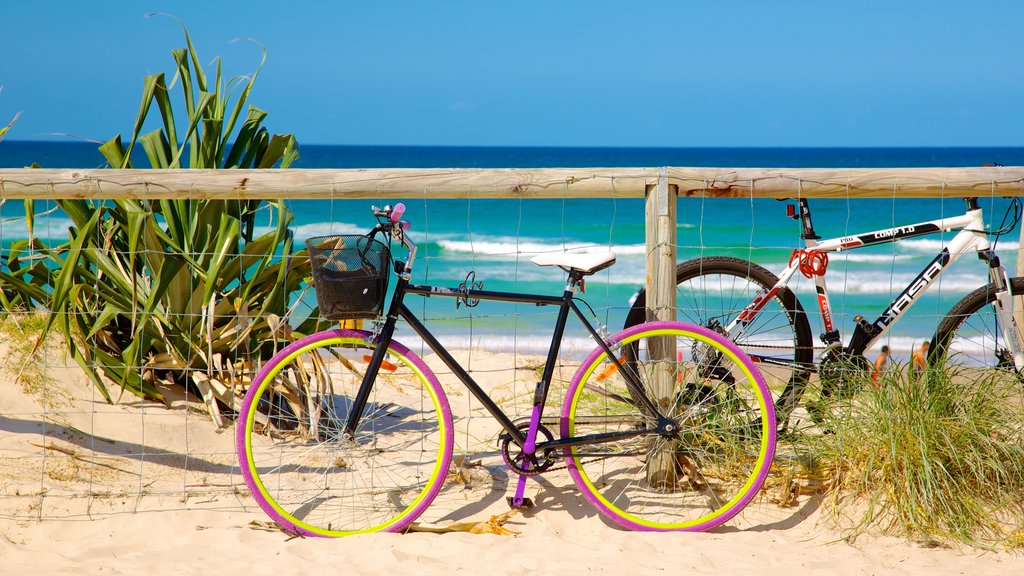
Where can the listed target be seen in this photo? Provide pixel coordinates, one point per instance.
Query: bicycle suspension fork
(1004, 301)
(1004, 306)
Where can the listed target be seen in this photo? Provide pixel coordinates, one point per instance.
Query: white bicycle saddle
(583, 263)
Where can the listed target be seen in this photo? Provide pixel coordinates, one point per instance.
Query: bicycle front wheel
(971, 333)
(313, 479)
(693, 477)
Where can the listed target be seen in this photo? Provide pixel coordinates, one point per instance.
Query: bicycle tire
(970, 333)
(710, 468)
(306, 475)
(712, 291)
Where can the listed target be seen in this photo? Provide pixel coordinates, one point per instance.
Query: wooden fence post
(660, 223)
(660, 212)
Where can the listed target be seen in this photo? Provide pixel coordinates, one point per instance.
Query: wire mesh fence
(218, 296)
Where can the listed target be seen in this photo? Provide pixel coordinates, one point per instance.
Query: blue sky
(666, 73)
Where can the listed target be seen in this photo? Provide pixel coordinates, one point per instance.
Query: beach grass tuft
(936, 459)
(19, 332)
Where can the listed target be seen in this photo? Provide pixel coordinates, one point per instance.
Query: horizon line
(604, 147)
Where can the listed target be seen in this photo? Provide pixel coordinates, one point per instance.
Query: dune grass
(938, 459)
(28, 365)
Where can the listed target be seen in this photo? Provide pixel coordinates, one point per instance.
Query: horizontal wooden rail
(327, 183)
(511, 183)
(848, 182)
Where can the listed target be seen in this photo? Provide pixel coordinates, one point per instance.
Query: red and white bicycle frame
(812, 262)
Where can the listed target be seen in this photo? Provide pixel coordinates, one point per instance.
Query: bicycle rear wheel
(299, 465)
(712, 291)
(706, 470)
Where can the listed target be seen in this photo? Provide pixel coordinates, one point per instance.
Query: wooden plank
(849, 182)
(394, 183)
(325, 184)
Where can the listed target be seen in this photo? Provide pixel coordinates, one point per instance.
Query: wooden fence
(660, 186)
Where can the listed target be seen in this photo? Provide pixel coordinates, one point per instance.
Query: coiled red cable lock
(812, 262)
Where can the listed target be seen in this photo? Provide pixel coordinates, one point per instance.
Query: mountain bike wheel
(311, 479)
(971, 335)
(694, 478)
(711, 292)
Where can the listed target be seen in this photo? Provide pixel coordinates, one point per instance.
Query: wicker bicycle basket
(350, 275)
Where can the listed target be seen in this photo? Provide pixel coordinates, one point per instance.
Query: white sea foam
(57, 228)
(525, 343)
(526, 271)
(305, 231)
(976, 349)
(510, 246)
(48, 227)
(900, 347)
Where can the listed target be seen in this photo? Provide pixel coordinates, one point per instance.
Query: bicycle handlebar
(390, 219)
(390, 222)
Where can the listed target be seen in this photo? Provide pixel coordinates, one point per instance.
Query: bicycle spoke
(310, 477)
(710, 464)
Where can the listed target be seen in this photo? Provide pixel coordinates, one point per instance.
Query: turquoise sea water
(495, 239)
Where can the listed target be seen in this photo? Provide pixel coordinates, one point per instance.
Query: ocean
(494, 239)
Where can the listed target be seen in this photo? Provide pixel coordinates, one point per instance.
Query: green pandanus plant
(181, 291)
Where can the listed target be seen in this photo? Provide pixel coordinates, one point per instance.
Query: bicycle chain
(746, 345)
(554, 468)
(551, 467)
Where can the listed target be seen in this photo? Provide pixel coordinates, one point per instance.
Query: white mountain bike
(759, 312)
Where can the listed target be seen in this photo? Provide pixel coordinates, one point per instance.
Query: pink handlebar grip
(405, 224)
(397, 211)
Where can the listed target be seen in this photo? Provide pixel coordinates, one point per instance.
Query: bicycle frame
(528, 441)
(970, 237)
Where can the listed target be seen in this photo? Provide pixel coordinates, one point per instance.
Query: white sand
(136, 488)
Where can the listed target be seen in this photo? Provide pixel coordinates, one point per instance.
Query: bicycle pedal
(527, 503)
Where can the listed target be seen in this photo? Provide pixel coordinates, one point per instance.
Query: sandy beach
(140, 488)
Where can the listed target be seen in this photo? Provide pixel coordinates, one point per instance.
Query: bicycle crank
(527, 464)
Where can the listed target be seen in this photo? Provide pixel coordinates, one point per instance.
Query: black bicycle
(349, 431)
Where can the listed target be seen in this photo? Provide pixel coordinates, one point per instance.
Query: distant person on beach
(918, 360)
(880, 363)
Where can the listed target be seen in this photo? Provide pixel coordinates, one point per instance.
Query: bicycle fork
(1004, 307)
